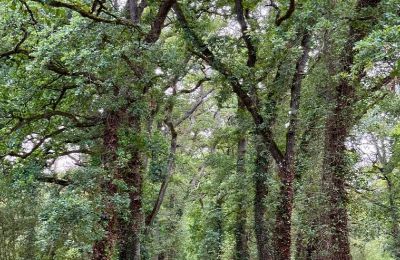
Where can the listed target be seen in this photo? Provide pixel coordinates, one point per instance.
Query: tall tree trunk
(305, 237)
(338, 124)
(263, 161)
(334, 170)
(103, 248)
(132, 228)
(286, 167)
(219, 226)
(242, 250)
(125, 233)
(284, 213)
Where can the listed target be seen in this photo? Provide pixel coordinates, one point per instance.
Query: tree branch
(36, 145)
(251, 50)
(171, 163)
(158, 22)
(287, 15)
(237, 88)
(88, 14)
(171, 160)
(17, 48)
(295, 95)
(198, 84)
(193, 108)
(48, 115)
(33, 19)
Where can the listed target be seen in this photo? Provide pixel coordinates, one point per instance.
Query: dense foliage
(246, 129)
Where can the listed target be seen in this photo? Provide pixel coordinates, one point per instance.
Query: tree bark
(337, 127)
(103, 248)
(132, 228)
(242, 250)
(334, 170)
(263, 161)
(286, 167)
(124, 233)
(283, 215)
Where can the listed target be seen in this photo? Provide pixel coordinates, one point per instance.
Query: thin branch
(90, 78)
(17, 48)
(208, 56)
(49, 114)
(76, 151)
(36, 145)
(171, 162)
(193, 108)
(88, 14)
(198, 84)
(288, 13)
(33, 19)
(171, 159)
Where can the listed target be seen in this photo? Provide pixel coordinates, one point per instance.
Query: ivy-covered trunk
(335, 243)
(284, 213)
(242, 250)
(102, 249)
(124, 234)
(286, 164)
(133, 178)
(260, 209)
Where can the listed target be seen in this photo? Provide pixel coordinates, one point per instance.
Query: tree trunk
(286, 166)
(132, 228)
(337, 127)
(284, 214)
(261, 192)
(394, 217)
(336, 245)
(242, 250)
(124, 232)
(103, 248)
